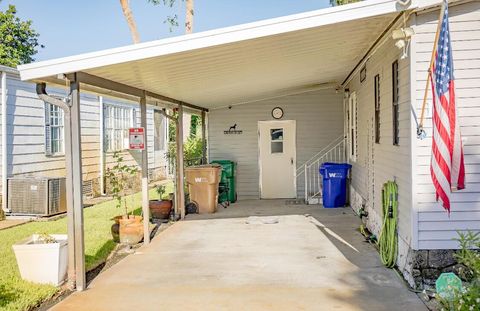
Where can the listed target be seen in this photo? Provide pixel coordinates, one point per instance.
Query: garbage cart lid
(204, 166)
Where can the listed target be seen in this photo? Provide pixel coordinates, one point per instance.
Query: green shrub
(192, 149)
(469, 298)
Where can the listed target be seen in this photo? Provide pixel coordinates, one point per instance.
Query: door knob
(291, 161)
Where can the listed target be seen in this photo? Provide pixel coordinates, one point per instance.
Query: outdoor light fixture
(403, 33)
(404, 2)
(403, 36)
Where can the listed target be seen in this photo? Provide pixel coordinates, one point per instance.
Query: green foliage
(192, 151)
(195, 125)
(469, 298)
(171, 20)
(160, 190)
(18, 40)
(46, 238)
(118, 177)
(172, 126)
(342, 2)
(192, 147)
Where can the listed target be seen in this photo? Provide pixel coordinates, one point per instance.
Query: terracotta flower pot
(160, 209)
(128, 229)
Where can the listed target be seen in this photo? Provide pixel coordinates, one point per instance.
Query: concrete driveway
(228, 261)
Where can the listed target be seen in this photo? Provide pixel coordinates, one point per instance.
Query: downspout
(102, 146)
(42, 94)
(4, 141)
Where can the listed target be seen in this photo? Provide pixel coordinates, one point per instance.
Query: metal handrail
(334, 152)
(324, 150)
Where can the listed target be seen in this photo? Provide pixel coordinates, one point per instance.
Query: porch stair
(309, 171)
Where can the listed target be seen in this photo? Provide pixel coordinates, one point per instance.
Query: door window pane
(276, 134)
(277, 146)
(276, 137)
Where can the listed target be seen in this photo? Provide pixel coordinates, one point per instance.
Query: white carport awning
(242, 63)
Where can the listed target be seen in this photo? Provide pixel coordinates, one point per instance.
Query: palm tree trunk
(130, 20)
(189, 16)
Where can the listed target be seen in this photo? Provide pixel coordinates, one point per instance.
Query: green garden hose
(388, 236)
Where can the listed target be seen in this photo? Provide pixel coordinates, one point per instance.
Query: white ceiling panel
(242, 63)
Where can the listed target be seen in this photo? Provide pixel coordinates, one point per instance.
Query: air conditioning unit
(41, 196)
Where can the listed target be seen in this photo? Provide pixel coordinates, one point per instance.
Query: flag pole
(420, 130)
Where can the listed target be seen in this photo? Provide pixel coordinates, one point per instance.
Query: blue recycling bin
(334, 183)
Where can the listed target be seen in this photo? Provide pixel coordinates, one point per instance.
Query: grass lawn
(16, 294)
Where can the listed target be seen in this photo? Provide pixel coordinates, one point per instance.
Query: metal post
(204, 138)
(102, 145)
(145, 208)
(69, 193)
(42, 94)
(180, 195)
(4, 141)
(77, 181)
(306, 183)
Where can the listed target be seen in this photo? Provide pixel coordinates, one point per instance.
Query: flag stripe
(447, 163)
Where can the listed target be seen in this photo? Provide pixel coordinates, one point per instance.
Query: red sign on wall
(136, 138)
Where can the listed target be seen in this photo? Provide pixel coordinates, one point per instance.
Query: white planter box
(42, 263)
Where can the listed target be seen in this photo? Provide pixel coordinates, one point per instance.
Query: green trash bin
(229, 172)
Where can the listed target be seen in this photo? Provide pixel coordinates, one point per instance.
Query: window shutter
(48, 143)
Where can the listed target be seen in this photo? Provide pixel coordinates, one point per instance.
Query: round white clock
(277, 113)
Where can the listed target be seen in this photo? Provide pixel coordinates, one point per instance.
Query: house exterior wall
(319, 120)
(377, 163)
(26, 135)
(435, 228)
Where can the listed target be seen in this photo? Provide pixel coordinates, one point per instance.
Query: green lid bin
(229, 172)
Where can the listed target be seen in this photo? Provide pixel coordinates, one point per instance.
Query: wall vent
(87, 189)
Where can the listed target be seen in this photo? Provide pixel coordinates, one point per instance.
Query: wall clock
(277, 113)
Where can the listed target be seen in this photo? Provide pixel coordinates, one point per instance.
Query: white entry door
(277, 159)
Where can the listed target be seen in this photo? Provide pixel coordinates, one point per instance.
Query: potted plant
(128, 228)
(42, 258)
(162, 207)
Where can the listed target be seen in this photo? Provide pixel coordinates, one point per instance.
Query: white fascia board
(8, 70)
(312, 19)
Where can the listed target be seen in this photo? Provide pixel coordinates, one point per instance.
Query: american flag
(447, 166)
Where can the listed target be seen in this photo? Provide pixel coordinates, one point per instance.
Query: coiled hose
(388, 236)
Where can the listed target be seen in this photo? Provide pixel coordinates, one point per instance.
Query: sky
(69, 27)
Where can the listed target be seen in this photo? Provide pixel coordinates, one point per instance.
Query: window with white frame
(54, 130)
(160, 136)
(352, 126)
(118, 119)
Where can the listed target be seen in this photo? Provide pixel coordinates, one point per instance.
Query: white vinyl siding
(377, 163)
(26, 133)
(436, 230)
(319, 120)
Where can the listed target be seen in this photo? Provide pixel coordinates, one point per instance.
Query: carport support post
(180, 195)
(77, 181)
(204, 138)
(145, 208)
